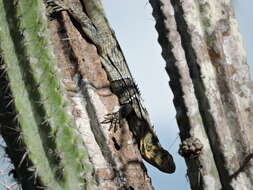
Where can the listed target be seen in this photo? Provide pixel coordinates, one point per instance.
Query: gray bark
(114, 155)
(213, 94)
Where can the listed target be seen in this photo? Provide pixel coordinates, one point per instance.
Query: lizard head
(167, 162)
(164, 161)
(158, 157)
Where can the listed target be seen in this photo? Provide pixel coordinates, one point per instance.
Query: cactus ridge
(15, 150)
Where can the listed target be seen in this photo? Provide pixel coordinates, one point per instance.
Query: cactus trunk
(54, 94)
(57, 155)
(212, 89)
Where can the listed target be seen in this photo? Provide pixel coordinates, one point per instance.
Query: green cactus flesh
(48, 132)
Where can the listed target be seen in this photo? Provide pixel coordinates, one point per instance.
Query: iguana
(91, 18)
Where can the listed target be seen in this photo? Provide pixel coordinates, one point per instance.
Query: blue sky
(134, 27)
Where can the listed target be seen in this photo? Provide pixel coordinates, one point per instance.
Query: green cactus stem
(57, 153)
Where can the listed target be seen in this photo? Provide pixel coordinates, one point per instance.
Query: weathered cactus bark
(54, 95)
(213, 94)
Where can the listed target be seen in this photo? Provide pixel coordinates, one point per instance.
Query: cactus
(54, 94)
(51, 147)
(209, 78)
(212, 90)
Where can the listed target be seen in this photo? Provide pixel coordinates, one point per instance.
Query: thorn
(19, 139)
(32, 169)
(11, 101)
(23, 158)
(35, 172)
(45, 122)
(6, 88)
(17, 130)
(3, 72)
(15, 119)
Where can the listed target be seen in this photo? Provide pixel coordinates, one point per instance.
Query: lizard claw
(54, 6)
(113, 118)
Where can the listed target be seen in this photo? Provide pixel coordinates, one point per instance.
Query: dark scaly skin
(95, 26)
(137, 116)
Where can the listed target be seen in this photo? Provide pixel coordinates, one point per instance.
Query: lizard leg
(76, 10)
(54, 6)
(116, 118)
(113, 118)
